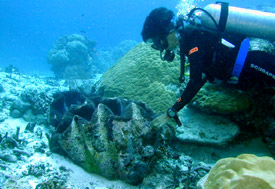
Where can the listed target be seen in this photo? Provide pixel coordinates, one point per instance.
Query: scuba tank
(247, 22)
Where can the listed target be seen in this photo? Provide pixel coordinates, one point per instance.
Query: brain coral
(141, 75)
(245, 171)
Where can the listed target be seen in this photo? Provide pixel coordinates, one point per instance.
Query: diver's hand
(171, 112)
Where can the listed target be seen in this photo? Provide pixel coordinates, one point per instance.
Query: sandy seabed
(77, 177)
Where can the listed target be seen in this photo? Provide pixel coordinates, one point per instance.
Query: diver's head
(157, 26)
(159, 29)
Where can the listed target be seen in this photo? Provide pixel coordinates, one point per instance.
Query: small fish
(82, 31)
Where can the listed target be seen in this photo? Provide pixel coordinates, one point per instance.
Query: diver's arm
(197, 78)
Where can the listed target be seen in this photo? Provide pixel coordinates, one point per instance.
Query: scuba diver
(214, 56)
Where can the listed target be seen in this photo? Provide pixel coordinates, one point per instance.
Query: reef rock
(244, 171)
(175, 171)
(112, 137)
(257, 44)
(27, 97)
(203, 128)
(1, 88)
(18, 108)
(142, 75)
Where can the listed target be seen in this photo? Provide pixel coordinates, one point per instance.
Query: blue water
(29, 28)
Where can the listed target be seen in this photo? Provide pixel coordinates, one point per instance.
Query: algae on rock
(221, 99)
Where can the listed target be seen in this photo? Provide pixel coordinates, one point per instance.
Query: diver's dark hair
(157, 24)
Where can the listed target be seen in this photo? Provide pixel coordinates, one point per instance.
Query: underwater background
(28, 29)
(83, 104)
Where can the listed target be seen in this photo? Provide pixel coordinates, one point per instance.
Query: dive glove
(171, 112)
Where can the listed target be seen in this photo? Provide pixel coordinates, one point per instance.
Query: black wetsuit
(210, 61)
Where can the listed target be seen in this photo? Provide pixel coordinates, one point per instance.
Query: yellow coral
(245, 171)
(141, 75)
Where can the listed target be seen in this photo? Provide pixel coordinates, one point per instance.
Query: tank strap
(238, 67)
(223, 15)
